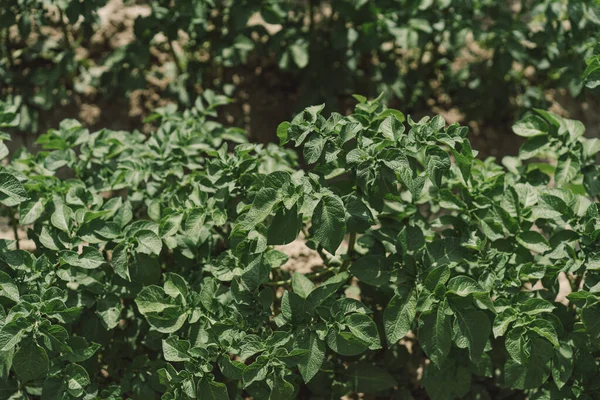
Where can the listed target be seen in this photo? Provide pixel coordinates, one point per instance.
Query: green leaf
(533, 241)
(120, 261)
(545, 329)
(81, 350)
(358, 215)
(62, 218)
(450, 381)
(12, 191)
(562, 365)
(326, 289)
(371, 269)
(591, 75)
(329, 222)
(31, 212)
(176, 350)
(530, 125)
(437, 276)
(567, 169)
(503, 321)
(533, 147)
(299, 52)
(464, 159)
(153, 299)
(345, 343)
(399, 315)
(175, 286)
(349, 131)
(254, 372)
(473, 329)
(590, 315)
(517, 344)
(8, 288)
(109, 311)
(232, 369)
(77, 379)
(463, 286)
(211, 390)
(282, 132)
(391, 128)
(261, 208)
(90, 258)
(148, 242)
(310, 364)
(285, 226)
(55, 338)
(368, 378)
(435, 334)
(170, 225)
(281, 389)
(438, 163)
(413, 184)
(536, 306)
(256, 273)
(30, 362)
(302, 285)
(364, 328)
(534, 371)
(313, 148)
(12, 333)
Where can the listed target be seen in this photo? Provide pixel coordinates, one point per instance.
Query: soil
(7, 233)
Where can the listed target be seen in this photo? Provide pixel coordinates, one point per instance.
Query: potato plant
(152, 268)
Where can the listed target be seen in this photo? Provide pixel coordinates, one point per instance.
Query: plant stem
(322, 255)
(64, 29)
(309, 276)
(348, 260)
(13, 222)
(305, 232)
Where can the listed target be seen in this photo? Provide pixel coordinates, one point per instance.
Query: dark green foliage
(450, 53)
(154, 273)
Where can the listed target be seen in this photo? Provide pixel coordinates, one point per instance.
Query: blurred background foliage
(478, 62)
